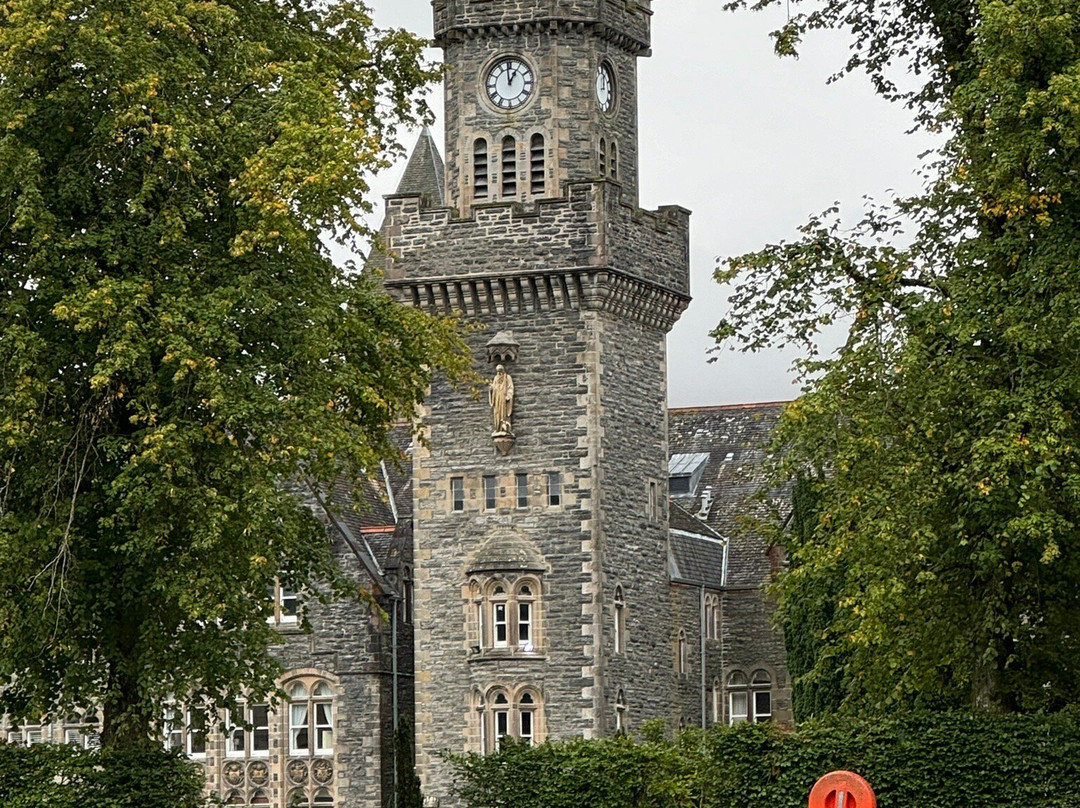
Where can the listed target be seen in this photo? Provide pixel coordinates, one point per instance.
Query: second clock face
(605, 87)
(509, 83)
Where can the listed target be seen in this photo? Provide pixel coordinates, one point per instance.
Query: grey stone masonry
(543, 608)
(628, 19)
(588, 251)
(564, 43)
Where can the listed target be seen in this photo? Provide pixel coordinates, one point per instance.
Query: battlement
(625, 22)
(590, 229)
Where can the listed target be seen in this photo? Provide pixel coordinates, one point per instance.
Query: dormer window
(684, 473)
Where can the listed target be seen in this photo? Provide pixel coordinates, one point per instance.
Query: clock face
(509, 83)
(605, 87)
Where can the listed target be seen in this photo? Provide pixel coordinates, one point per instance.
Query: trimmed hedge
(944, 760)
(50, 776)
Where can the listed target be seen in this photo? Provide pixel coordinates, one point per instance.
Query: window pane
(197, 733)
(521, 482)
(260, 733)
(500, 624)
(457, 493)
(324, 727)
(489, 493)
(554, 488)
(527, 726)
(762, 705)
(288, 605)
(524, 622)
(298, 729)
(738, 702)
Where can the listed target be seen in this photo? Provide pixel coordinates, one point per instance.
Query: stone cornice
(601, 30)
(583, 288)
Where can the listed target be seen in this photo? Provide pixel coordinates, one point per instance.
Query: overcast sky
(749, 142)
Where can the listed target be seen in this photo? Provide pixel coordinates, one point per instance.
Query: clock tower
(543, 607)
(539, 93)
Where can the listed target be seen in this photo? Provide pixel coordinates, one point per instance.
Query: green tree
(942, 441)
(175, 342)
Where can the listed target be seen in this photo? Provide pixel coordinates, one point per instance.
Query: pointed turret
(424, 175)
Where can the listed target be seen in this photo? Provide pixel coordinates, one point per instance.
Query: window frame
(521, 490)
(553, 495)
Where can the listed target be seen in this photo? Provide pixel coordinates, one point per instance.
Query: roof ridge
(722, 407)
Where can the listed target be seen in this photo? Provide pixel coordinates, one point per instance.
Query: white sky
(752, 144)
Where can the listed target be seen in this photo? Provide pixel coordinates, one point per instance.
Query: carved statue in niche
(501, 399)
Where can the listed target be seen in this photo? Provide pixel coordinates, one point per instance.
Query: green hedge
(943, 760)
(49, 776)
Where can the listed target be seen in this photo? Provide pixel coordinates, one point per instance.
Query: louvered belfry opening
(509, 167)
(537, 169)
(480, 169)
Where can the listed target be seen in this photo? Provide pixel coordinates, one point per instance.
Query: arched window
(603, 157)
(761, 690)
(259, 798)
(500, 624)
(712, 617)
(613, 165)
(501, 716)
(311, 718)
(620, 712)
(506, 614)
(406, 594)
(717, 701)
(620, 621)
(509, 167)
(749, 699)
(526, 709)
(537, 169)
(525, 598)
(480, 169)
(683, 654)
(738, 698)
(234, 798)
(500, 712)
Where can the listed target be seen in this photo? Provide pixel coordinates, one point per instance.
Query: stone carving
(501, 399)
(259, 773)
(297, 771)
(233, 773)
(322, 771)
(502, 347)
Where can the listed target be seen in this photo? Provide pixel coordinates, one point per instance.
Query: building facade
(558, 557)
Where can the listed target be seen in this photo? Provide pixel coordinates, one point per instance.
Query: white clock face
(605, 87)
(509, 83)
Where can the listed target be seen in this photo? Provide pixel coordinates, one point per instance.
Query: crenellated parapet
(585, 251)
(626, 23)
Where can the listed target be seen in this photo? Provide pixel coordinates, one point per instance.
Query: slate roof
(696, 551)
(372, 522)
(425, 173)
(734, 437)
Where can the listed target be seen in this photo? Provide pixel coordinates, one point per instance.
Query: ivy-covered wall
(944, 760)
(50, 776)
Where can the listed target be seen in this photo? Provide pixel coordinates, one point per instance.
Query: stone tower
(540, 506)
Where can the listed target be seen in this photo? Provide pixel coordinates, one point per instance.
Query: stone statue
(501, 399)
